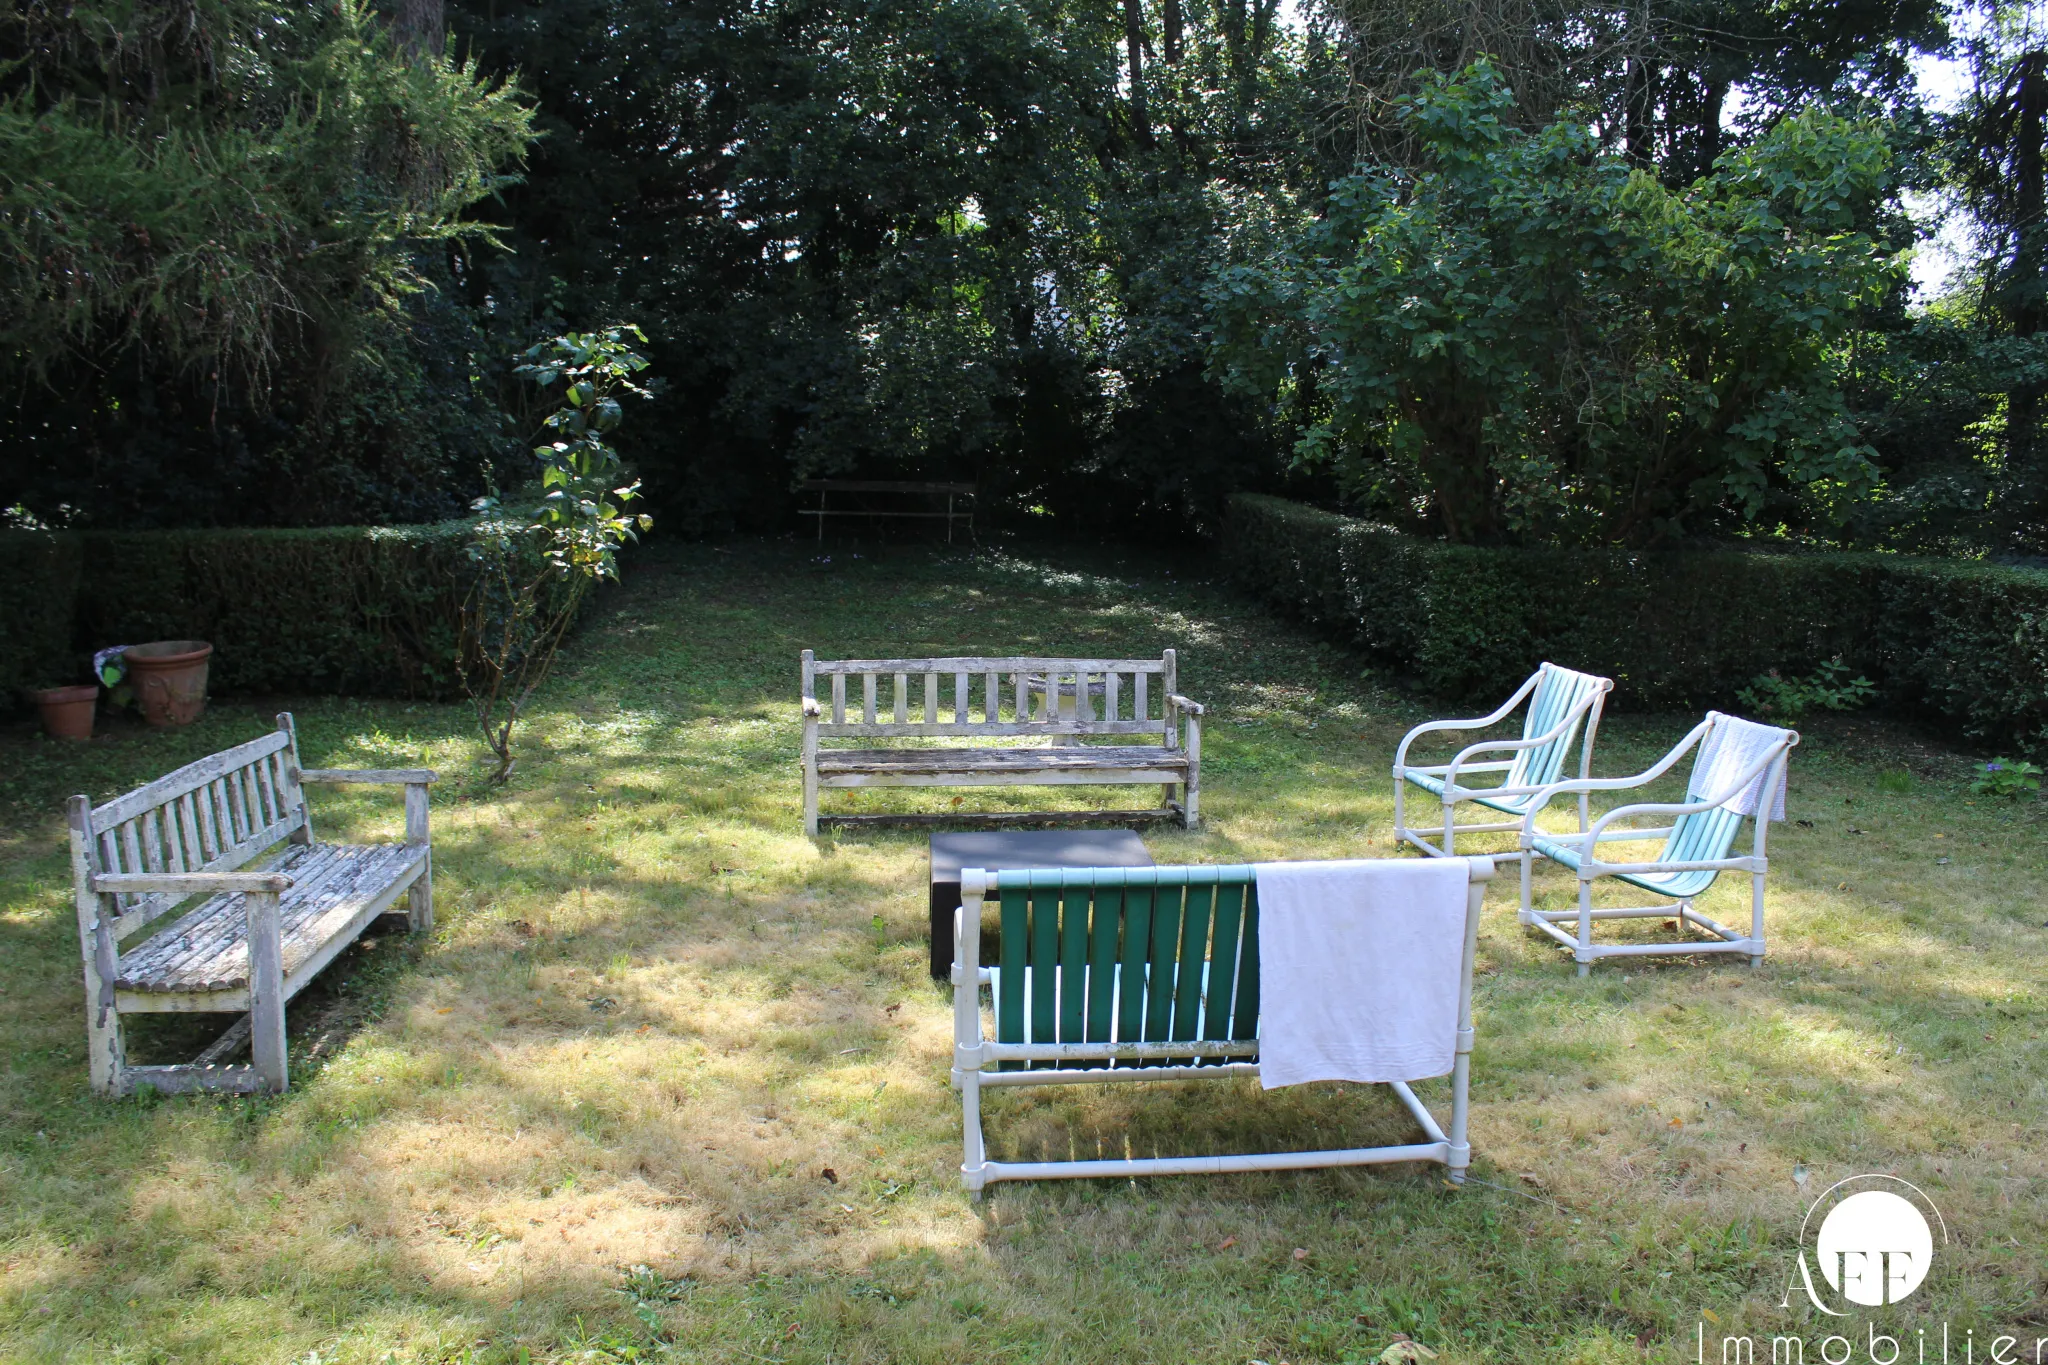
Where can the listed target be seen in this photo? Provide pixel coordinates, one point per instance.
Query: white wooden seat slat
(1063, 701)
(253, 927)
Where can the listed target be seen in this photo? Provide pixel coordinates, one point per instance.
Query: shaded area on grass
(653, 1014)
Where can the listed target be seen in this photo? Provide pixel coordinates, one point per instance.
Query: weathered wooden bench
(265, 921)
(1064, 700)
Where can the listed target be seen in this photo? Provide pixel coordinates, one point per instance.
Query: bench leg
(106, 1051)
(420, 899)
(266, 991)
(810, 802)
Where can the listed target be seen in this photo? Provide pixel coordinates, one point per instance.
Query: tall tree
(2003, 162)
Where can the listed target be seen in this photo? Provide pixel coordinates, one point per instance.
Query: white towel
(1359, 969)
(1731, 745)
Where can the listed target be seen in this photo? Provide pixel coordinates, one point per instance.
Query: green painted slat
(1223, 962)
(1194, 943)
(1045, 956)
(1015, 931)
(1166, 917)
(1137, 946)
(1073, 962)
(1103, 928)
(1246, 1024)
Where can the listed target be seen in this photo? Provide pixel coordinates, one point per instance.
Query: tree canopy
(1518, 269)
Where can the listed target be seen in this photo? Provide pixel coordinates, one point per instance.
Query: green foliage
(1827, 688)
(228, 230)
(41, 573)
(1964, 646)
(1546, 343)
(2004, 778)
(201, 189)
(534, 561)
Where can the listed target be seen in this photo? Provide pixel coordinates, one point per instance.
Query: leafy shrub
(2003, 777)
(1964, 645)
(1826, 688)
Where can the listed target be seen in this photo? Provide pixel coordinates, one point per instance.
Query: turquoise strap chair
(1133, 974)
(1698, 847)
(1563, 705)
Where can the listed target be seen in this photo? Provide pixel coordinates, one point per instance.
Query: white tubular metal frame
(1606, 829)
(1589, 708)
(973, 1051)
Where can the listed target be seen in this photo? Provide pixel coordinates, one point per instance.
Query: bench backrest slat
(1017, 697)
(1163, 955)
(212, 815)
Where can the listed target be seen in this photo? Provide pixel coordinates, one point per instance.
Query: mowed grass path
(653, 1015)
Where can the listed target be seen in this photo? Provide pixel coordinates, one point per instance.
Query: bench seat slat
(208, 950)
(907, 762)
(887, 730)
(983, 664)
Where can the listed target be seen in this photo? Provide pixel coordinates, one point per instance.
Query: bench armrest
(811, 708)
(408, 776)
(1178, 702)
(188, 883)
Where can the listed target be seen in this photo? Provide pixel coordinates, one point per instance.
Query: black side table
(996, 851)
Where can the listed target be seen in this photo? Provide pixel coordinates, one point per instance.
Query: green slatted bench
(1134, 974)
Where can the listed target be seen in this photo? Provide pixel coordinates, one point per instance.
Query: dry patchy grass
(653, 1015)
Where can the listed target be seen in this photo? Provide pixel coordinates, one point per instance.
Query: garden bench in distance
(258, 925)
(970, 698)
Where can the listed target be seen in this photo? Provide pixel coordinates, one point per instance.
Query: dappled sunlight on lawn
(653, 1017)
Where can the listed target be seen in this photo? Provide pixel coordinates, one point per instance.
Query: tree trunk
(2026, 296)
(1134, 37)
(420, 28)
(1169, 18)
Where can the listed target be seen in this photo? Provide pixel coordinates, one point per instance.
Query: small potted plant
(67, 711)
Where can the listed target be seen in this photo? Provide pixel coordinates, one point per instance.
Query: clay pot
(68, 711)
(169, 677)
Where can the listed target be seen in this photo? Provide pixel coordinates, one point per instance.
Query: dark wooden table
(997, 850)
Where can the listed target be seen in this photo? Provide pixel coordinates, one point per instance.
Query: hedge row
(1963, 645)
(38, 594)
(363, 610)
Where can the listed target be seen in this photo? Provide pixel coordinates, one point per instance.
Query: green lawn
(588, 1120)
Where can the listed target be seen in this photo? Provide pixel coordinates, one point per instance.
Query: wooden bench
(1064, 700)
(258, 921)
(922, 497)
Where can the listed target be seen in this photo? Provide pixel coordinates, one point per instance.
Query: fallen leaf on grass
(830, 1176)
(1227, 1243)
(1301, 1253)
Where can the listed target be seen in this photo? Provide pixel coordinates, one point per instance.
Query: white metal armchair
(1739, 771)
(1561, 702)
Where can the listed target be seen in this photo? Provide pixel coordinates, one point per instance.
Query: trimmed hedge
(1964, 645)
(372, 611)
(38, 589)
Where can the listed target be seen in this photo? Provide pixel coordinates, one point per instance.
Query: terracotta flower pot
(68, 711)
(169, 677)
